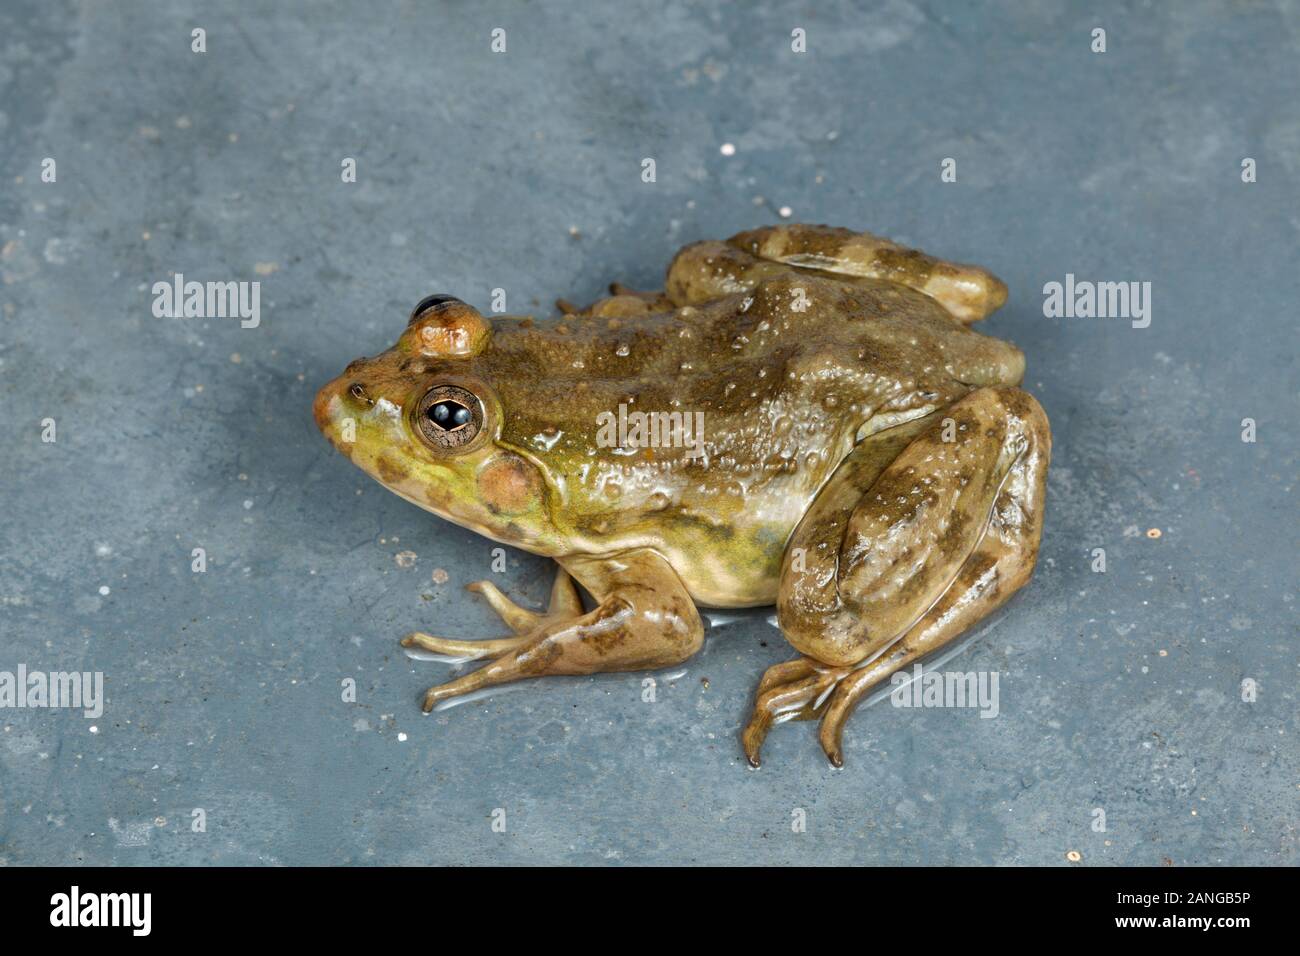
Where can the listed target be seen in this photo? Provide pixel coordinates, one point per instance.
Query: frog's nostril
(358, 391)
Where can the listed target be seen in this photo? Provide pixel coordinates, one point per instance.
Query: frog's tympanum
(803, 416)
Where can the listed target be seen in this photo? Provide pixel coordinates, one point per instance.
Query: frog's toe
(565, 603)
(801, 690)
(518, 619)
(794, 690)
(495, 672)
(839, 708)
(462, 650)
(503, 668)
(440, 692)
(565, 600)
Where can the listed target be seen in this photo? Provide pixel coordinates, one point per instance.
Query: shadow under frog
(868, 464)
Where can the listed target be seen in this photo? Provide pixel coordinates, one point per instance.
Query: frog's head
(422, 420)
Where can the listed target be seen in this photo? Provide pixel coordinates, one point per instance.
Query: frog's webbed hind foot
(795, 690)
(565, 605)
(644, 619)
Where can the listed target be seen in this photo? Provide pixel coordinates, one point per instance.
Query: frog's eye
(449, 417)
(429, 302)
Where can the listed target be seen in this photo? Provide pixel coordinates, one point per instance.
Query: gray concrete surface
(1120, 691)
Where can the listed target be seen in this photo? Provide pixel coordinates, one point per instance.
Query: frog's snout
(345, 397)
(339, 398)
(322, 407)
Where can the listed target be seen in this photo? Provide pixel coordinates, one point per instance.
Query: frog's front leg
(644, 619)
(889, 565)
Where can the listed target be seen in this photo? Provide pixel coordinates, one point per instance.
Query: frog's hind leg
(708, 270)
(970, 293)
(878, 576)
(644, 619)
(704, 271)
(565, 605)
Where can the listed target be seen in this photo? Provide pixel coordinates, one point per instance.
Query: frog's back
(823, 350)
(768, 391)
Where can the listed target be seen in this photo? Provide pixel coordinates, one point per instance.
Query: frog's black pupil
(449, 415)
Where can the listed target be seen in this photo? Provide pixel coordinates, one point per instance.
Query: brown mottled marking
(390, 470)
(911, 267)
(538, 659)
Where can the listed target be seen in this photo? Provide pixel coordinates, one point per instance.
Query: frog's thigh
(968, 292)
(873, 580)
(644, 618)
(953, 522)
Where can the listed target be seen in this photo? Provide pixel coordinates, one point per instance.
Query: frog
(802, 416)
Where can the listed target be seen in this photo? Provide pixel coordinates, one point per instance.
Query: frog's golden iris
(868, 462)
(448, 418)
